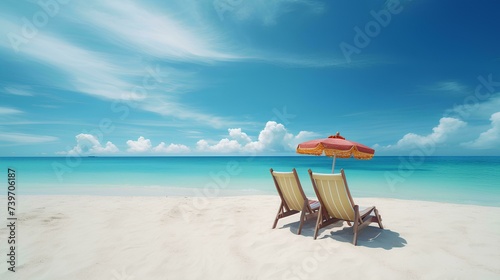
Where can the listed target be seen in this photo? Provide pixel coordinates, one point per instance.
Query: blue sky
(253, 77)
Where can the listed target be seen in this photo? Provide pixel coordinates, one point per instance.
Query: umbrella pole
(333, 163)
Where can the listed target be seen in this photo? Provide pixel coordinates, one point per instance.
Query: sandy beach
(105, 237)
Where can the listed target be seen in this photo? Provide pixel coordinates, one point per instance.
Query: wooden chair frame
(307, 209)
(361, 219)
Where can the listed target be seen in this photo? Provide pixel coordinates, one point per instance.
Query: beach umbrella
(335, 146)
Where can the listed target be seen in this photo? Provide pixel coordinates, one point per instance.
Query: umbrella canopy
(336, 146)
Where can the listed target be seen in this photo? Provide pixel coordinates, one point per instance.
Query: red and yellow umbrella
(336, 146)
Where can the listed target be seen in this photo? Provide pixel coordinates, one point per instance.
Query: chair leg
(355, 238)
(355, 228)
(379, 219)
(275, 222)
(302, 215)
(280, 210)
(318, 222)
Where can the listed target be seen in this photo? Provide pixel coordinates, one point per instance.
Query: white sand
(125, 238)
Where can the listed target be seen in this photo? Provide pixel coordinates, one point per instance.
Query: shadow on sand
(371, 236)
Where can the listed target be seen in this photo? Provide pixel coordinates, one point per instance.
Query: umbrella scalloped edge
(319, 149)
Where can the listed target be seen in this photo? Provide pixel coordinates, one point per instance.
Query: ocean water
(466, 180)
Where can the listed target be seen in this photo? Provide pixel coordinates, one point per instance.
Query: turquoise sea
(467, 180)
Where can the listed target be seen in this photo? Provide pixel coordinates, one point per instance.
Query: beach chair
(293, 199)
(337, 204)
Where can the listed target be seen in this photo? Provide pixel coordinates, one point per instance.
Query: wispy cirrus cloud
(23, 138)
(311, 61)
(19, 90)
(474, 108)
(266, 12)
(182, 112)
(169, 37)
(448, 86)
(9, 111)
(88, 72)
(132, 34)
(158, 34)
(109, 77)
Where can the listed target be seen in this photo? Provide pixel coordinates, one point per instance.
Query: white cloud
(224, 146)
(139, 146)
(303, 136)
(9, 111)
(238, 135)
(440, 134)
(22, 138)
(490, 138)
(89, 144)
(172, 148)
(273, 138)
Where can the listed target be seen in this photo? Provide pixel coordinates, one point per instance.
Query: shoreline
(230, 237)
(452, 181)
(158, 191)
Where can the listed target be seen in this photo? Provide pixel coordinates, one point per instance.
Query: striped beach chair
(337, 204)
(293, 199)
